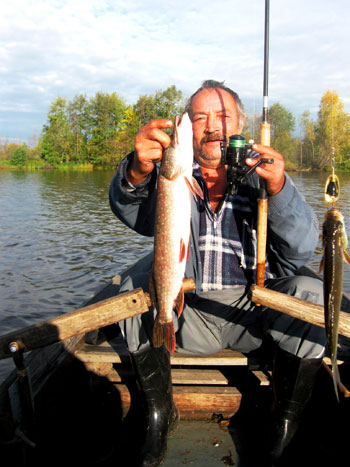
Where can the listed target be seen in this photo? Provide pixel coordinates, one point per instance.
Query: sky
(61, 48)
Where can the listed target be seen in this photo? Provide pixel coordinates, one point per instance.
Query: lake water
(60, 242)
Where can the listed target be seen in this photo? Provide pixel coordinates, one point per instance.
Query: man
(222, 262)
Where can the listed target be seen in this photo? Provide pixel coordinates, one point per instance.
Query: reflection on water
(60, 242)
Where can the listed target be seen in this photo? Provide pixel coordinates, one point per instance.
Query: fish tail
(336, 378)
(164, 333)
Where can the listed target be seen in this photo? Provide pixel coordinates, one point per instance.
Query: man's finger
(160, 123)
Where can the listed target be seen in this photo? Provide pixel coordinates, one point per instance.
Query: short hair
(213, 84)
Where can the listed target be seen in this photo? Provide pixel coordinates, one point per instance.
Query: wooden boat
(66, 403)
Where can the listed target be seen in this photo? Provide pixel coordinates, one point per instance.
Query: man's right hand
(150, 142)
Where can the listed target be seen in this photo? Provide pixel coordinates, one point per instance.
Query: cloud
(64, 48)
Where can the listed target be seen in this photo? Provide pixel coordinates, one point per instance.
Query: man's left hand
(272, 173)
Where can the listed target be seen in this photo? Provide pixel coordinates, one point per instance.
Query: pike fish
(172, 231)
(335, 242)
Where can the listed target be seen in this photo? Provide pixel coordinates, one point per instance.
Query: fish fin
(152, 290)
(183, 250)
(194, 188)
(336, 377)
(321, 264)
(346, 256)
(164, 333)
(180, 302)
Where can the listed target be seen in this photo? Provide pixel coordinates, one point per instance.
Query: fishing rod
(265, 141)
(234, 153)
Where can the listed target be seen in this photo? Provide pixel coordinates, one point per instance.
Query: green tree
(19, 156)
(101, 129)
(282, 125)
(162, 104)
(57, 135)
(78, 118)
(169, 103)
(144, 110)
(252, 127)
(106, 115)
(308, 138)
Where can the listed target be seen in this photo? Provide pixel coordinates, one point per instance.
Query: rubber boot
(293, 380)
(153, 374)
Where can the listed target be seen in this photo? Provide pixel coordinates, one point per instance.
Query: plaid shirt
(227, 240)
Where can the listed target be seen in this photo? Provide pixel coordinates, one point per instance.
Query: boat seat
(202, 385)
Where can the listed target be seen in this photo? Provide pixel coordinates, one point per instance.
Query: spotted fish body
(172, 231)
(334, 243)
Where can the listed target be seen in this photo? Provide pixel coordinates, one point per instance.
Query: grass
(35, 164)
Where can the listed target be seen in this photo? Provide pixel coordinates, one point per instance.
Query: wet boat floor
(322, 438)
(200, 443)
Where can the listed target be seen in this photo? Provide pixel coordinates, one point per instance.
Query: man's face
(214, 118)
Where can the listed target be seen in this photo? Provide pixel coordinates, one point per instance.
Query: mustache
(213, 137)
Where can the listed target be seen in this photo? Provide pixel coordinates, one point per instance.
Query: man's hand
(150, 142)
(272, 173)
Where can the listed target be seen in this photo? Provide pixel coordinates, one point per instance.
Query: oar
(86, 319)
(297, 308)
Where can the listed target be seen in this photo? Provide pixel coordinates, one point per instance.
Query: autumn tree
(333, 130)
(125, 139)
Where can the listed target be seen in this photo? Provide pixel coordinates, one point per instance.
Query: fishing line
(332, 186)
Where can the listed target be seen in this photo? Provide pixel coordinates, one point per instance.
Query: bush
(19, 157)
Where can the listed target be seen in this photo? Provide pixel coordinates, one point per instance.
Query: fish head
(178, 157)
(334, 224)
(335, 215)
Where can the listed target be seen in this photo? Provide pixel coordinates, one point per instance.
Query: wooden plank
(202, 402)
(198, 377)
(196, 403)
(179, 376)
(105, 353)
(223, 358)
(297, 308)
(262, 377)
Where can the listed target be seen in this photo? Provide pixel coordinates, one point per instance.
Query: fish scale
(172, 231)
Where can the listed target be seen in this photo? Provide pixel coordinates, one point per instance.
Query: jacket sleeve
(134, 205)
(293, 229)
